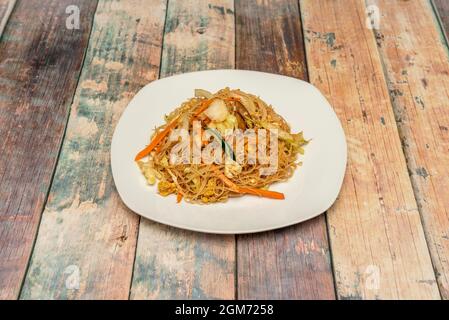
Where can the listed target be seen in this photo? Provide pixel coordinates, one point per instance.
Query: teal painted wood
(172, 263)
(40, 60)
(294, 262)
(6, 7)
(87, 239)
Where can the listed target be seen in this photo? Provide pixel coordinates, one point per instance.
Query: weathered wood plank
(172, 263)
(6, 7)
(417, 69)
(377, 239)
(40, 60)
(87, 236)
(294, 262)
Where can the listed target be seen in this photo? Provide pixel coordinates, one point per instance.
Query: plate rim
(247, 231)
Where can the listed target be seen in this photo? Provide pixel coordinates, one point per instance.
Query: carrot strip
(156, 140)
(158, 148)
(253, 191)
(179, 197)
(204, 105)
(229, 183)
(263, 193)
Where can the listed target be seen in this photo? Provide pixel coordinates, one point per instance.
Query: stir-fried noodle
(218, 115)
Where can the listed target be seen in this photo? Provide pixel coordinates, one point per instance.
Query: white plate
(311, 191)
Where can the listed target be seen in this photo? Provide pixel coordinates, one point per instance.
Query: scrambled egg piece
(166, 188)
(210, 190)
(148, 171)
(164, 161)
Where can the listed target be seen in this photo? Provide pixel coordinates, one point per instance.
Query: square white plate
(310, 192)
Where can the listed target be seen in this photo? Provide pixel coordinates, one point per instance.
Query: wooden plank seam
(6, 14)
(378, 36)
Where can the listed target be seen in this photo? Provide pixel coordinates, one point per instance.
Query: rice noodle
(198, 183)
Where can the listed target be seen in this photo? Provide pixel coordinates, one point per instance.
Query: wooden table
(65, 234)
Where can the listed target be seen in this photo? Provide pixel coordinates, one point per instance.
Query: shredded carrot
(156, 140)
(244, 190)
(158, 148)
(229, 183)
(204, 105)
(263, 193)
(179, 197)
